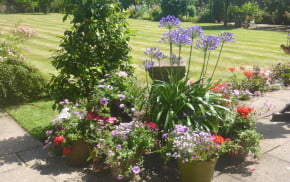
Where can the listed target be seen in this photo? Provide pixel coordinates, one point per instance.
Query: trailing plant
(97, 44)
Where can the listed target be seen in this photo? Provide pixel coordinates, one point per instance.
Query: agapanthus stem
(207, 60)
(189, 60)
(203, 66)
(217, 61)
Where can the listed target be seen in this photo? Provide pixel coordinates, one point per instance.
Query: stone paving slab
(25, 174)
(282, 153)
(34, 156)
(270, 169)
(10, 162)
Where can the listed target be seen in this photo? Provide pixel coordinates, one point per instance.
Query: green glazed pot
(197, 171)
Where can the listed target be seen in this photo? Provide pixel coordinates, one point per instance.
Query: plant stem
(217, 61)
(206, 66)
(189, 60)
(204, 59)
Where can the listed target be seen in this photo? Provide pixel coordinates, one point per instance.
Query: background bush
(19, 82)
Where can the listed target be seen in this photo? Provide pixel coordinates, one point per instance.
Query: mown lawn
(252, 47)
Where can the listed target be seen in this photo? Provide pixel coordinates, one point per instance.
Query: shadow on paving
(226, 166)
(18, 144)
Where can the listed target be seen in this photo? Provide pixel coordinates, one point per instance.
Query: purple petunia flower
(120, 177)
(104, 101)
(122, 105)
(136, 170)
(180, 129)
(169, 22)
(119, 146)
(121, 96)
(195, 31)
(101, 86)
(208, 42)
(226, 37)
(115, 133)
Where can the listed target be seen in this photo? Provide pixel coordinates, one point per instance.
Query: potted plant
(195, 151)
(125, 146)
(72, 131)
(286, 48)
(174, 68)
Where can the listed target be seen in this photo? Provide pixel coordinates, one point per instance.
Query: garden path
(22, 158)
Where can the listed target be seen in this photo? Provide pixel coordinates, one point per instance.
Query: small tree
(174, 7)
(97, 44)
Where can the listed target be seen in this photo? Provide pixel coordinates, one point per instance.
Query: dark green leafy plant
(19, 82)
(97, 44)
(191, 105)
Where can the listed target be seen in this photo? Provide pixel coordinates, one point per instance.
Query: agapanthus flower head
(208, 42)
(154, 53)
(195, 31)
(226, 37)
(180, 36)
(169, 22)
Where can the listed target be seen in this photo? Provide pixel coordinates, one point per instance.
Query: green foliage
(155, 13)
(97, 44)
(191, 11)
(282, 72)
(19, 82)
(190, 105)
(218, 10)
(174, 7)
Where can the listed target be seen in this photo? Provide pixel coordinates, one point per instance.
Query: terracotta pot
(197, 171)
(163, 71)
(79, 154)
(237, 156)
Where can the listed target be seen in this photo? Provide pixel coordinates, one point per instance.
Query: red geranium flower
(58, 140)
(244, 111)
(218, 139)
(151, 125)
(232, 69)
(227, 139)
(248, 74)
(110, 120)
(92, 116)
(66, 151)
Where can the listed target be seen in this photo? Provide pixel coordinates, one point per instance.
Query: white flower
(64, 114)
(122, 74)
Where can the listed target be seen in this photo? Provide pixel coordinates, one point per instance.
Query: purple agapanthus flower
(169, 22)
(154, 53)
(208, 42)
(104, 101)
(195, 31)
(136, 170)
(226, 37)
(180, 37)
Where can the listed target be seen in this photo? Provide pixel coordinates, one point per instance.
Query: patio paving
(22, 158)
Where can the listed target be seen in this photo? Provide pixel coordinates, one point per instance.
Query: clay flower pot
(78, 157)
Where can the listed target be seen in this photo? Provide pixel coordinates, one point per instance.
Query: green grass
(34, 117)
(252, 47)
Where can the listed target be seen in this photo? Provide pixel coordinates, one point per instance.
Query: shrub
(155, 13)
(19, 82)
(191, 11)
(96, 45)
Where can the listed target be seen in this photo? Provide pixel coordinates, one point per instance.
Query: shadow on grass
(217, 27)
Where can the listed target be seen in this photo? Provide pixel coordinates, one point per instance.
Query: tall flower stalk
(223, 37)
